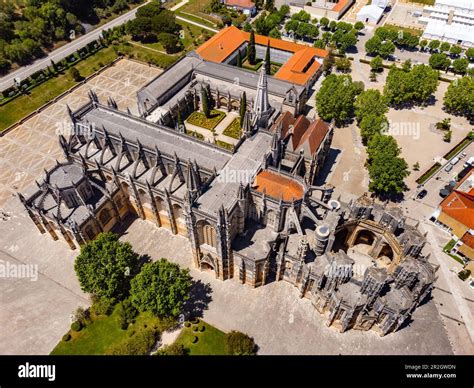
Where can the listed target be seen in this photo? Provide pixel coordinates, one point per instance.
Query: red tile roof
(247, 4)
(299, 69)
(305, 135)
(340, 5)
(278, 186)
(468, 239)
(459, 205)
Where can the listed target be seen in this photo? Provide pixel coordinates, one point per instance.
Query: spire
(261, 104)
(192, 181)
(247, 125)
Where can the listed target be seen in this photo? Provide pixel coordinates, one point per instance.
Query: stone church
(254, 213)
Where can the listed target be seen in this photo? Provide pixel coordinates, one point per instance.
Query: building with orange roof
(277, 185)
(246, 6)
(331, 9)
(300, 64)
(456, 213)
(305, 140)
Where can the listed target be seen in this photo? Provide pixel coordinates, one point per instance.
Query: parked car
(463, 155)
(448, 167)
(444, 193)
(454, 160)
(422, 194)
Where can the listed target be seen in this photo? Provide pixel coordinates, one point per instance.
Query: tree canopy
(414, 86)
(370, 101)
(335, 99)
(161, 288)
(459, 98)
(105, 266)
(239, 344)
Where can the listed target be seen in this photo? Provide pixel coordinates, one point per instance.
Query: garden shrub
(139, 344)
(238, 343)
(66, 337)
(76, 326)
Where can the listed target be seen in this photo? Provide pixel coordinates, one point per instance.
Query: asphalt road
(62, 52)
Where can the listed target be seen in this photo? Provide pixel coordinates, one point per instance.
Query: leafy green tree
(434, 45)
(347, 40)
(274, 33)
(423, 44)
(359, 26)
(251, 52)
(370, 101)
(173, 349)
(460, 65)
(324, 22)
(470, 54)
(75, 75)
(170, 42)
(5, 65)
(372, 46)
(444, 47)
(105, 266)
(161, 288)
(343, 64)
(406, 66)
(386, 49)
(376, 64)
(140, 344)
(372, 125)
(269, 5)
(439, 61)
(328, 62)
(239, 344)
(455, 50)
(459, 98)
(335, 99)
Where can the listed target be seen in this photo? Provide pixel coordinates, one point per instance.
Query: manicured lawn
(195, 134)
(225, 145)
(99, 335)
(21, 106)
(199, 119)
(211, 341)
(233, 130)
(197, 8)
(246, 64)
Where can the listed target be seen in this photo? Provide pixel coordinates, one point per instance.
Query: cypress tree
(243, 108)
(239, 59)
(251, 53)
(205, 103)
(268, 65)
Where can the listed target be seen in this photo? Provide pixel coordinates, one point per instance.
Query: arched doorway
(386, 255)
(365, 237)
(207, 234)
(340, 240)
(207, 263)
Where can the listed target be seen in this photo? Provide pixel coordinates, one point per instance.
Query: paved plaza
(33, 146)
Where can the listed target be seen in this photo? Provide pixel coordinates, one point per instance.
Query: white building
(450, 21)
(370, 14)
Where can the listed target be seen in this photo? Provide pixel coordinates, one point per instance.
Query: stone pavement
(33, 146)
(279, 320)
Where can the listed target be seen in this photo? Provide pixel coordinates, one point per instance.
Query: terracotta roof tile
(460, 205)
(314, 136)
(298, 69)
(240, 3)
(340, 5)
(468, 239)
(277, 185)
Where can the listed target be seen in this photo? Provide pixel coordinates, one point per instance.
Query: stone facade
(252, 214)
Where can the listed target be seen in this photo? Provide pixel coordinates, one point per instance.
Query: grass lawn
(199, 119)
(412, 31)
(246, 64)
(195, 134)
(225, 145)
(211, 341)
(21, 106)
(197, 8)
(233, 130)
(98, 336)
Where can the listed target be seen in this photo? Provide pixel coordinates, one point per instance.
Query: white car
(454, 160)
(471, 284)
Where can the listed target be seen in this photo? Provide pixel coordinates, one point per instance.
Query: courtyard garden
(233, 130)
(199, 119)
(201, 338)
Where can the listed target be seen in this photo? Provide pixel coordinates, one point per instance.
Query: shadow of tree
(200, 297)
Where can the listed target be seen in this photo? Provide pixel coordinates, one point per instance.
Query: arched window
(177, 212)
(104, 216)
(207, 234)
(90, 232)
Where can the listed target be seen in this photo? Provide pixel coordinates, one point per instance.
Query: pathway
(196, 24)
(179, 5)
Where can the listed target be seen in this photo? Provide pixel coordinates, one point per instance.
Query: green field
(197, 8)
(233, 130)
(21, 106)
(99, 335)
(211, 341)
